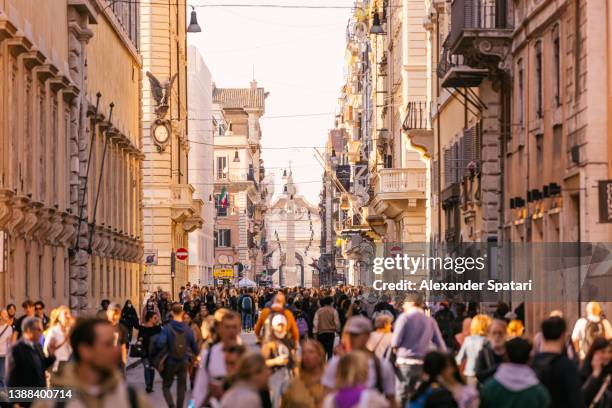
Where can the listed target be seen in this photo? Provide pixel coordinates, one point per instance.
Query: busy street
(306, 203)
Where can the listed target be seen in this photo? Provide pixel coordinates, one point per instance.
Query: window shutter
(455, 162)
(434, 176)
(468, 150)
(229, 237)
(447, 167)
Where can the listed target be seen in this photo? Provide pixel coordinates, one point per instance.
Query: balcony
(398, 190)
(454, 73)
(185, 209)
(417, 125)
(481, 30)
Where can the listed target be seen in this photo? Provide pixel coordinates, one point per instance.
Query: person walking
(263, 327)
(28, 311)
(246, 305)
(146, 332)
(493, 351)
(472, 345)
(597, 388)
(555, 371)
(212, 372)
(515, 384)
(443, 386)
(250, 379)
(93, 378)
(413, 335)
(588, 328)
(6, 340)
(39, 311)
(380, 374)
(326, 324)
(351, 385)
(178, 340)
(26, 362)
(306, 390)
(113, 315)
(57, 336)
(379, 342)
(129, 319)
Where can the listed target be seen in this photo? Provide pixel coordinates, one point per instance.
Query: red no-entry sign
(182, 254)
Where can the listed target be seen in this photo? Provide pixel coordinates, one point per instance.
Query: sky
(295, 54)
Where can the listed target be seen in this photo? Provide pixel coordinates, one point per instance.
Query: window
(219, 129)
(223, 238)
(221, 210)
(538, 79)
(521, 92)
(221, 167)
(557, 65)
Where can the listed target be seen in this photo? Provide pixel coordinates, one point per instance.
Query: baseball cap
(358, 325)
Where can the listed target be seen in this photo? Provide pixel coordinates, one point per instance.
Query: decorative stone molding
(56, 229)
(19, 205)
(32, 220)
(68, 233)
(5, 207)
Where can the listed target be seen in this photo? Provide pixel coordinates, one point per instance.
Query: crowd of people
(341, 347)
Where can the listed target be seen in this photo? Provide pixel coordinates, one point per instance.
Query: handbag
(137, 350)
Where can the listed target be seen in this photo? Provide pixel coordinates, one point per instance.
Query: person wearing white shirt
(212, 371)
(58, 336)
(6, 337)
(587, 328)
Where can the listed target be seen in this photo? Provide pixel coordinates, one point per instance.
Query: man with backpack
(555, 371)
(263, 327)
(587, 329)
(177, 347)
(212, 372)
(246, 305)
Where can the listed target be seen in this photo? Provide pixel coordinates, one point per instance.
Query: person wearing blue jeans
(246, 303)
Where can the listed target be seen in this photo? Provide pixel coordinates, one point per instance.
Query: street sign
(150, 256)
(223, 272)
(182, 254)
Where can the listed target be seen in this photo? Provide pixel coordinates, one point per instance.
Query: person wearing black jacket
(555, 371)
(129, 318)
(26, 363)
(492, 353)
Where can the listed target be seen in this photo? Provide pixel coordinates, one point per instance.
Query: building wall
(53, 60)
(170, 211)
(201, 161)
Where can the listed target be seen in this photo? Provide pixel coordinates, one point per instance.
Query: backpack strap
(378, 370)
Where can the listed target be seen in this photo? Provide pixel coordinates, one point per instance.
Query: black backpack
(178, 347)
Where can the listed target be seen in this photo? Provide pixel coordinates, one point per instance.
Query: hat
(358, 325)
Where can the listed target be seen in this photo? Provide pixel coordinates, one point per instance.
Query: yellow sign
(223, 273)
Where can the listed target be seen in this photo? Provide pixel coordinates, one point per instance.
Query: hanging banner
(343, 174)
(605, 201)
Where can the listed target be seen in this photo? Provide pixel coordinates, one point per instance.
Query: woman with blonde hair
(515, 329)
(472, 345)
(351, 390)
(57, 337)
(250, 379)
(306, 390)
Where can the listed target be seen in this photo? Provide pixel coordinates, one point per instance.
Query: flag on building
(224, 198)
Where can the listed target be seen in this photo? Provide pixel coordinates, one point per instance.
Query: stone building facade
(293, 230)
(560, 145)
(239, 171)
(170, 210)
(55, 57)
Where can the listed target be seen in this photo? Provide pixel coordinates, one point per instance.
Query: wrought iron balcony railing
(418, 115)
(477, 14)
